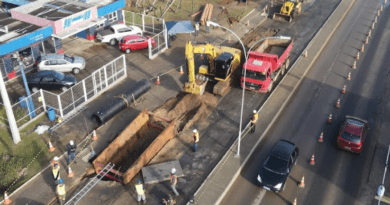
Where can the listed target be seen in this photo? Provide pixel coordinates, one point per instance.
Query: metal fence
(68, 102)
(153, 26)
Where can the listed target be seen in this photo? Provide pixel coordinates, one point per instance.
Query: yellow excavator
(289, 10)
(222, 66)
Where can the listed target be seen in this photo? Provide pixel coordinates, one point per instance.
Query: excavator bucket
(282, 17)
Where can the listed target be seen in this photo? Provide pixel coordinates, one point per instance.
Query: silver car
(61, 63)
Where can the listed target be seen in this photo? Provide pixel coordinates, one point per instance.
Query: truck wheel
(113, 42)
(287, 63)
(283, 71)
(271, 84)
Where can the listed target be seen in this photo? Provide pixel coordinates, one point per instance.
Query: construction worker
(71, 151)
(174, 181)
(61, 191)
(56, 172)
(196, 139)
(254, 121)
(207, 26)
(196, 29)
(139, 188)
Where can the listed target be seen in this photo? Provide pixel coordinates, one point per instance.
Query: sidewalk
(41, 188)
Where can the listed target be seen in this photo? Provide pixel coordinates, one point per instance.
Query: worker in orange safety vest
(255, 117)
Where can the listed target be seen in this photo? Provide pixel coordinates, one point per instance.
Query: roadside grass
(18, 163)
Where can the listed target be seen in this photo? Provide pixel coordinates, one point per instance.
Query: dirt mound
(256, 34)
(187, 109)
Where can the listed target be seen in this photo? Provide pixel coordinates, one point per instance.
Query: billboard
(25, 40)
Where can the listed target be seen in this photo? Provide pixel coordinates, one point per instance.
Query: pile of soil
(187, 109)
(256, 34)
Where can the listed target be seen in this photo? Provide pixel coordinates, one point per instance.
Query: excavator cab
(223, 65)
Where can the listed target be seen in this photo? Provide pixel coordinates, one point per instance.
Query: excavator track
(223, 87)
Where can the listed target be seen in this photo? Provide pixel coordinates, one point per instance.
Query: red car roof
(131, 37)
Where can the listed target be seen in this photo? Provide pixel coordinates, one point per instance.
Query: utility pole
(10, 114)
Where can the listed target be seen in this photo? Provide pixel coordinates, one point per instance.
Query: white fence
(66, 103)
(150, 25)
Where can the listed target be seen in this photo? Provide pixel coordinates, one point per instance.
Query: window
(112, 17)
(47, 62)
(100, 26)
(47, 79)
(53, 62)
(61, 62)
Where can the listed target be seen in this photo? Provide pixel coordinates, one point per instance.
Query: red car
(134, 42)
(352, 134)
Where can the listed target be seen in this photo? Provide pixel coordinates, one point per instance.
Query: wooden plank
(193, 15)
(210, 12)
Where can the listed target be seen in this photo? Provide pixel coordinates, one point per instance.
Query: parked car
(116, 32)
(61, 63)
(274, 172)
(352, 134)
(135, 42)
(50, 80)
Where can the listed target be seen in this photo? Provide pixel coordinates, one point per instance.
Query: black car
(274, 172)
(50, 80)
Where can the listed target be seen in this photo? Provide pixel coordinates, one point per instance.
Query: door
(63, 66)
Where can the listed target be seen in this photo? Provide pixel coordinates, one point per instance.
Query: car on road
(135, 42)
(50, 80)
(278, 165)
(61, 63)
(116, 32)
(352, 134)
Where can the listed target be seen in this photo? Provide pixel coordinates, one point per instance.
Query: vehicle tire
(64, 89)
(76, 70)
(287, 64)
(34, 89)
(283, 71)
(271, 85)
(113, 42)
(128, 50)
(274, 77)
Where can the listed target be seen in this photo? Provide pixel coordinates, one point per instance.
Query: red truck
(265, 64)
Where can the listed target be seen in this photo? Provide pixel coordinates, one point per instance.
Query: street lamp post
(243, 90)
(243, 87)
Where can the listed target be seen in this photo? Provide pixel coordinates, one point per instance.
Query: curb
(229, 152)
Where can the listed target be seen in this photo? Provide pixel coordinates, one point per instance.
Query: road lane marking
(259, 197)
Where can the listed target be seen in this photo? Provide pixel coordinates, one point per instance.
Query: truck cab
(258, 75)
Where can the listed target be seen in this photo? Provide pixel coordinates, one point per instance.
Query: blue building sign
(77, 19)
(25, 40)
(104, 10)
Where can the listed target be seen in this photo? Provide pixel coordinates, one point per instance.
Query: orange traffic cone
(373, 25)
(6, 199)
(181, 70)
(302, 183)
(158, 80)
(51, 148)
(338, 103)
(321, 138)
(357, 56)
(362, 49)
(305, 54)
(312, 162)
(70, 173)
(366, 40)
(354, 65)
(330, 118)
(343, 90)
(369, 32)
(295, 201)
(229, 39)
(349, 76)
(381, 7)
(247, 23)
(379, 13)
(94, 136)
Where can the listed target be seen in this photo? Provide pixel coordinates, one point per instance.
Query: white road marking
(259, 197)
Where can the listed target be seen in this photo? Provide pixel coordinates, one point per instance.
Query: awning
(175, 27)
(83, 27)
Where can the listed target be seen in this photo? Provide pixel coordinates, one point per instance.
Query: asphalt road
(338, 177)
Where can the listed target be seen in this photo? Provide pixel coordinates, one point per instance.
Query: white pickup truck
(116, 32)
